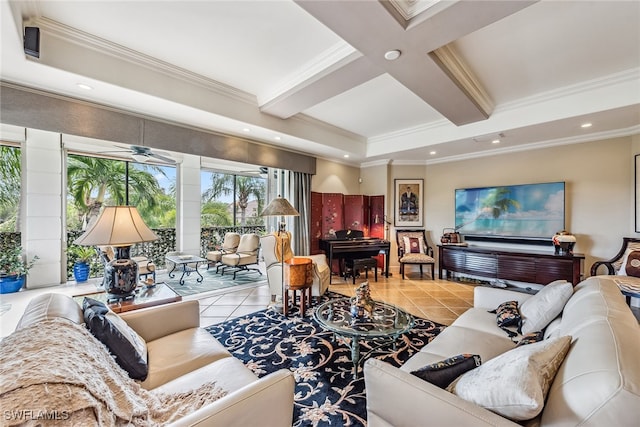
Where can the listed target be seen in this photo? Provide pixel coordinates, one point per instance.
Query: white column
(188, 212)
(42, 207)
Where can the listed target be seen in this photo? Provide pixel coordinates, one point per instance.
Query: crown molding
(89, 41)
(631, 75)
(453, 65)
(409, 9)
(598, 136)
(375, 163)
(331, 59)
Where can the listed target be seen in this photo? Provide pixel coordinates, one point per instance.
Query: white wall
(188, 210)
(599, 180)
(42, 206)
(332, 177)
(598, 192)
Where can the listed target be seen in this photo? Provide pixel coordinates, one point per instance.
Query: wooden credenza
(508, 264)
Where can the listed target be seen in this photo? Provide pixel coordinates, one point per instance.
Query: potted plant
(82, 256)
(13, 269)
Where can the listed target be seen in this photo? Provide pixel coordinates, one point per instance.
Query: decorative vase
(81, 271)
(362, 304)
(10, 284)
(563, 242)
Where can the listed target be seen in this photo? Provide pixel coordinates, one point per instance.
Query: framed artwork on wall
(408, 205)
(637, 192)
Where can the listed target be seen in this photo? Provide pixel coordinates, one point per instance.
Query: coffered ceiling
(315, 76)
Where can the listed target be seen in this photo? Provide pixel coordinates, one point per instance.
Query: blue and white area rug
(326, 394)
(211, 281)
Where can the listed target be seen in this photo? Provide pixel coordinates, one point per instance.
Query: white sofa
(597, 384)
(181, 357)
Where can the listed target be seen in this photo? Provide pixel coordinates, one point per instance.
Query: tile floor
(437, 300)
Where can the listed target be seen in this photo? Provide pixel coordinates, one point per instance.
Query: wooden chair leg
(402, 270)
(433, 272)
(421, 270)
(285, 302)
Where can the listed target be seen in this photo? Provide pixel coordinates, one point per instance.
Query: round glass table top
(385, 319)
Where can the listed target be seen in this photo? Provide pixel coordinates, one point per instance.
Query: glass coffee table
(143, 297)
(387, 323)
(187, 264)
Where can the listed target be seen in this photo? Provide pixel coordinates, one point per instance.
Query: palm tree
(498, 202)
(10, 170)
(245, 187)
(93, 179)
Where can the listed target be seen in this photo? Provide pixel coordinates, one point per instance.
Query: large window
(232, 200)
(94, 182)
(10, 170)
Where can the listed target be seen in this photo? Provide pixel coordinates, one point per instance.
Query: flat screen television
(529, 212)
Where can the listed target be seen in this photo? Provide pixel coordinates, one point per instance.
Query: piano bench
(363, 264)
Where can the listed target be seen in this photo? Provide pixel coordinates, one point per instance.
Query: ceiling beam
(326, 84)
(371, 28)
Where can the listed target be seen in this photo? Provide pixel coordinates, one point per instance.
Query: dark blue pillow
(442, 373)
(129, 348)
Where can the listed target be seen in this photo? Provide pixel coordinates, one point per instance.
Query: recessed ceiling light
(84, 86)
(246, 130)
(346, 156)
(495, 141)
(277, 138)
(586, 125)
(432, 152)
(392, 55)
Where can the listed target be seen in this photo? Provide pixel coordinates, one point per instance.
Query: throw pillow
(443, 372)
(531, 338)
(539, 310)
(514, 384)
(413, 245)
(129, 348)
(630, 264)
(507, 314)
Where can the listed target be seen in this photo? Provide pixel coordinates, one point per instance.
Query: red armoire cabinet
(335, 211)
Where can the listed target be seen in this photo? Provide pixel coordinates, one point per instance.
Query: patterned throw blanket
(56, 373)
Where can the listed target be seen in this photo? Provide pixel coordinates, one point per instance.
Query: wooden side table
(297, 277)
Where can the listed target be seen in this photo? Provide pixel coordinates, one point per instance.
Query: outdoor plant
(13, 264)
(81, 253)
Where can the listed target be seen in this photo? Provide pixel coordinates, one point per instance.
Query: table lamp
(119, 227)
(281, 207)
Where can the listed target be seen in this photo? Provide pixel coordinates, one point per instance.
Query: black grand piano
(352, 244)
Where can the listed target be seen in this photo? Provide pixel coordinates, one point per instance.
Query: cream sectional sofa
(182, 356)
(597, 384)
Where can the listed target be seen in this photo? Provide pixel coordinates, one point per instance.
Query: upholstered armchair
(413, 249)
(626, 266)
(271, 249)
(229, 246)
(244, 257)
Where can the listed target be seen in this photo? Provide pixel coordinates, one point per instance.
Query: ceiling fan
(262, 170)
(144, 154)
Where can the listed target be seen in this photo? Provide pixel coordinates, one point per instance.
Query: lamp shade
(280, 207)
(117, 226)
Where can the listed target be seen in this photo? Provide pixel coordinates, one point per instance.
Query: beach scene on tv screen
(523, 211)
